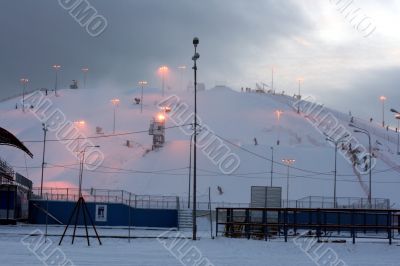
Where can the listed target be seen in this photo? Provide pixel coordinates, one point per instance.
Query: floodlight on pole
(115, 103)
(278, 114)
(336, 142)
(288, 163)
(397, 116)
(56, 69)
(195, 57)
(82, 166)
(142, 84)
(182, 70)
(163, 70)
(366, 132)
(80, 124)
(383, 99)
(24, 82)
(45, 129)
(299, 94)
(85, 70)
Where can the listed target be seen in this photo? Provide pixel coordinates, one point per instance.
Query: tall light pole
(336, 142)
(190, 168)
(397, 116)
(142, 84)
(383, 99)
(398, 136)
(272, 81)
(366, 132)
(195, 57)
(43, 158)
(299, 95)
(56, 69)
(278, 114)
(24, 82)
(163, 71)
(82, 166)
(182, 70)
(80, 124)
(85, 70)
(272, 163)
(288, 163)
(115, 103)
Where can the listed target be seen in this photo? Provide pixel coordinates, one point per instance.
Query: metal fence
(109, 196)
(341, 203)
(202, 205)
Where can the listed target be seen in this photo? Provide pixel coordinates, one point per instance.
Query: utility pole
(366, 132)
(115, 103)
(56, 68)
(336, 143)
(194, 58)
(142, 84)
(190, 169)
(44, 151)
(288, 163)
(272, 81)
(85, 71)
(299, 98)
(24, 81)
(383, 99)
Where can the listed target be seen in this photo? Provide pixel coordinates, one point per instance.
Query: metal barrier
(109, 196)
(274, 222)
(341, 203)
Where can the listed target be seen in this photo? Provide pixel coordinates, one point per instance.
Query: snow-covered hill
(236, 117)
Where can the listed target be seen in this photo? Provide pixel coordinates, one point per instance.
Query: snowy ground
(18, 249)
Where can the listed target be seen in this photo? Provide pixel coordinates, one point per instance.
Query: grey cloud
(141, 35)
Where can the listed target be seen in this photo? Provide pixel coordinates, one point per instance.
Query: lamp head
(196, 56)
(195, 41)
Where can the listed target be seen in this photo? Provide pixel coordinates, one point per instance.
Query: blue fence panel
(116, 214)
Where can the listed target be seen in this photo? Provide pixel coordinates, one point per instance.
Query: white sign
(101, 213)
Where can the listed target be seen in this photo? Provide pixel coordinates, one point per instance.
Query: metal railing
(353, 223)
(202, 205)
(341, 202)
(108, 196)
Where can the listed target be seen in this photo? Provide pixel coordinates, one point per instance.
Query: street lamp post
(299, 95)
(397, 116)
(336, 143)
(82, 166)
(366, 132)
(182, 69)
(85, 71)
(398, 136)
(115, 103)
(142, 84)
(288, 163)
(195, 57)
(383, 99)
(43, 163)
(190, 169)
(56, 69)
(278, 114)
(23, 81)
(163, 71)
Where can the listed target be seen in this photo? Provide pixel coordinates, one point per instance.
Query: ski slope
(235, 116)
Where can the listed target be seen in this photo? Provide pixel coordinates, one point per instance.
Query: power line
(100, 136)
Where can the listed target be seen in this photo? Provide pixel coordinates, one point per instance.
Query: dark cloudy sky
(240, 42)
